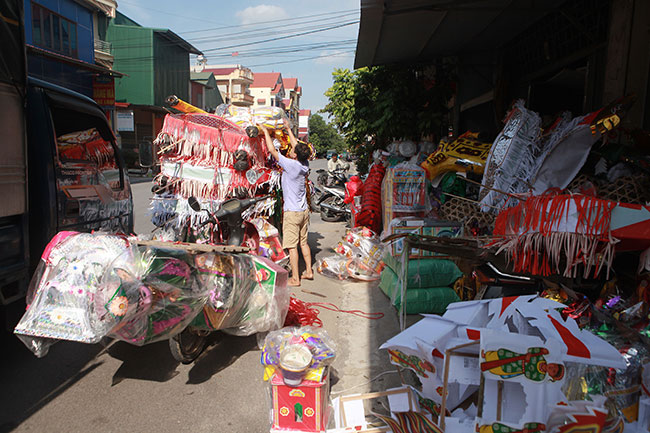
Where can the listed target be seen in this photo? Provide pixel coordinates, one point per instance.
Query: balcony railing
(103, 47)
(242, 98)
(243, 74)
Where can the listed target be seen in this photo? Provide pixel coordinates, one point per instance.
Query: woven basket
(468, 213)
(633, 190)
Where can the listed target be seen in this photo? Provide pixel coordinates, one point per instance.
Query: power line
(265, 51)
(272, 21)
(239, 35)
(263, 31)
(284, 37)
(337, 54)
(137, 42)
(306, 58)
(168, 13)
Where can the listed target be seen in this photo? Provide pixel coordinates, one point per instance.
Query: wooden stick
(481, 392)
(493, 189)
(445, 384)
(499, 397)
(471, 201)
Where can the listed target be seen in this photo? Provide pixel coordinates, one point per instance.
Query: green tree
(373, 106)
(323, 135)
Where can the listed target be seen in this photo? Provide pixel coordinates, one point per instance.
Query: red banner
(104, 90)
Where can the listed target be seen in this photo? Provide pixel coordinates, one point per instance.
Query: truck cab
(76, 181)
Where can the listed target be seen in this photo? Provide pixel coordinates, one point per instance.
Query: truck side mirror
(145, 154)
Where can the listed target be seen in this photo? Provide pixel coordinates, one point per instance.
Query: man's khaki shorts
(294, 228)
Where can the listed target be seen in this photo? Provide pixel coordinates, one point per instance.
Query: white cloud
(333, 57)
(255, 14)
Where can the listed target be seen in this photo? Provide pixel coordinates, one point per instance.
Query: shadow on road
(152, 362)
(313, 239)
(28, 384)
(224, 350)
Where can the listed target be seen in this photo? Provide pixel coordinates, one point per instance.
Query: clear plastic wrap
(271, 117)
(63, 290)
(89, 286)
(359, 256)
(150, 294)
(247, 294)
(317, 341)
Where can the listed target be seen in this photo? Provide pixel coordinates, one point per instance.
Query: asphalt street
(117, 387)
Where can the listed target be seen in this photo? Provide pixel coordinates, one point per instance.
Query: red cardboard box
(300, 409)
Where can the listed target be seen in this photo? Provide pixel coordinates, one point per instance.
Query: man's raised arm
(269, 143)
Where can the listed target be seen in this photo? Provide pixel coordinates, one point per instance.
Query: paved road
(116, 387)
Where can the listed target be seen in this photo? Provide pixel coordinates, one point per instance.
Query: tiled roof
(265, 79)
(290, 83)
(219, 71)
(305, 112)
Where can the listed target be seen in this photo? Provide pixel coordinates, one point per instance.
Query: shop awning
(421, 30)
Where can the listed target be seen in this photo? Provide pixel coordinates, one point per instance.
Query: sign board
(104, 90)
(125, 121)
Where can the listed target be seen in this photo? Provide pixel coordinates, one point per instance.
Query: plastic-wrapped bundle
(246, 294)
(359, 256)
(63, 290)
(317, 341)
(271, 117)
(150, 294)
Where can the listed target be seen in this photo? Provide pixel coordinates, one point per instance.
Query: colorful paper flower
(57, 316)
(118, 306)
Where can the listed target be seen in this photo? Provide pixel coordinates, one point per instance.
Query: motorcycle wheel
(188, 345)
(322, 179)
(327, 215)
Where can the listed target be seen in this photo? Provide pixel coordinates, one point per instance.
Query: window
(54, 32)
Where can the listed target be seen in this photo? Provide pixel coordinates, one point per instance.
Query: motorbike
(331, 205)
(336, 178)
(234, 231)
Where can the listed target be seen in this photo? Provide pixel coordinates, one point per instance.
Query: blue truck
(45, 187)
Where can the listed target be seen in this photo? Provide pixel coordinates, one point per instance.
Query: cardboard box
(303, 408)
(403, 193)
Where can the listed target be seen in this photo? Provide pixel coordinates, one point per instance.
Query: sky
(313, 37)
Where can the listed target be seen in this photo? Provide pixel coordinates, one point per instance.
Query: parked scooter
(233, 230)
(331, 205)
(336, 178)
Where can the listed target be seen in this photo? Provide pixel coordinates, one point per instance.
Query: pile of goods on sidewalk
(91, 286)
(296, 365)
(544, 232)
(520, 364)
(358, 256)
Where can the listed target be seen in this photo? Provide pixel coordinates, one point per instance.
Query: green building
(156, 64)
(205, 93)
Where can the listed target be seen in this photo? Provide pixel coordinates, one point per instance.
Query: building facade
(61, 36)
(303, 124)
(155, 62)
(233, 81)
(291, 102)
(268, 89)
(204, 92)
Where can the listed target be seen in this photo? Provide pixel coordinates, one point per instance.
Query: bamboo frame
(372, 395)
(194, 248)
(448, 354)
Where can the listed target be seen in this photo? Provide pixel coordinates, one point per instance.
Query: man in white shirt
(335, 164)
